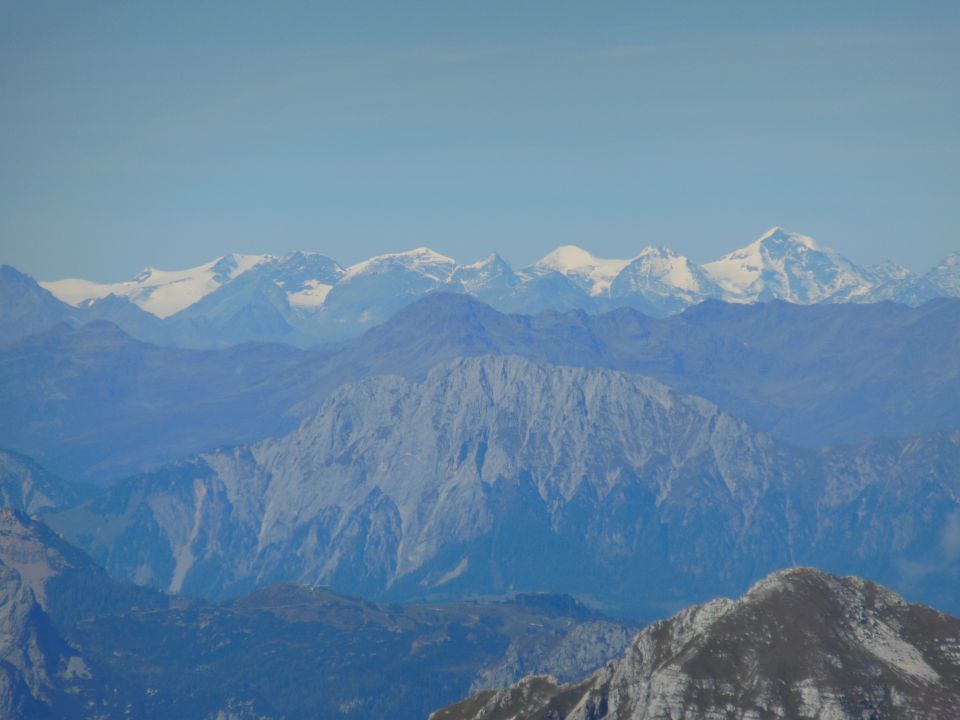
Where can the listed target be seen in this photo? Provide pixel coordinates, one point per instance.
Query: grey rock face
(799, 644)
(476, 479)
(25, 667)
(460, 482)
(27, 487)
(38, 667)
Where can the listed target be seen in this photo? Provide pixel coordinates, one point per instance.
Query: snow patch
(313, 295)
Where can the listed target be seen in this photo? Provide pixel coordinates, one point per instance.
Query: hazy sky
(164, 134)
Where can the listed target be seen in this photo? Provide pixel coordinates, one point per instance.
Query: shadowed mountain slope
(75, 644)
(26, 486)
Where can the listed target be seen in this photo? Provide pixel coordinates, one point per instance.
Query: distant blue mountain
(26, 308)
(91, 403)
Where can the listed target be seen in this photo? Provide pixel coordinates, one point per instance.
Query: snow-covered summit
(593, 273)
(945, 277)
(786, 266)
(481, 278)
(490, 262)
(659, 272)
(656, 280)
(161, 292)
(421, 259)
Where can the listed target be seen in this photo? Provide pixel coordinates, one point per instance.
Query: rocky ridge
(26, 486)
(461, 483)
(800, 644)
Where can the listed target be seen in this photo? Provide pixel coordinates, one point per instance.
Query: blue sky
(165, 134)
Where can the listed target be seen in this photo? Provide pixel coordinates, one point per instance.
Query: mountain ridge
(642, 489)
(800, 643)
(765, 268)
(306, 298)
(811, 375)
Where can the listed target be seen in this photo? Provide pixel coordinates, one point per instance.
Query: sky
(167, 134)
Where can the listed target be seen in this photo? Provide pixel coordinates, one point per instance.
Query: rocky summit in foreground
(799, 644)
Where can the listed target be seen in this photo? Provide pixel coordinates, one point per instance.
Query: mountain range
(464, 482)
(800, 644)
(93, 404)
(306, 298)
(220, 461)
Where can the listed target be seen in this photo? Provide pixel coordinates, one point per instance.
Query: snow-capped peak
(421, 259)
(790, 266)
(777, 265)
(659, 280)
(594, 273)
(950, 262)
(481, 278)
(944, 279)
(661, 271)
(778, 241)
(491, 260)
(161, 292)
(568, 258)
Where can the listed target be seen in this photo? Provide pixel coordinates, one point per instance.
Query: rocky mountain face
(31, 653)
(94, 404)
(305, 298)
(800, 644)
(75, 644)
(25, 307)
(372, 489)
(46, 585)
(29, 488)
(464, 482)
